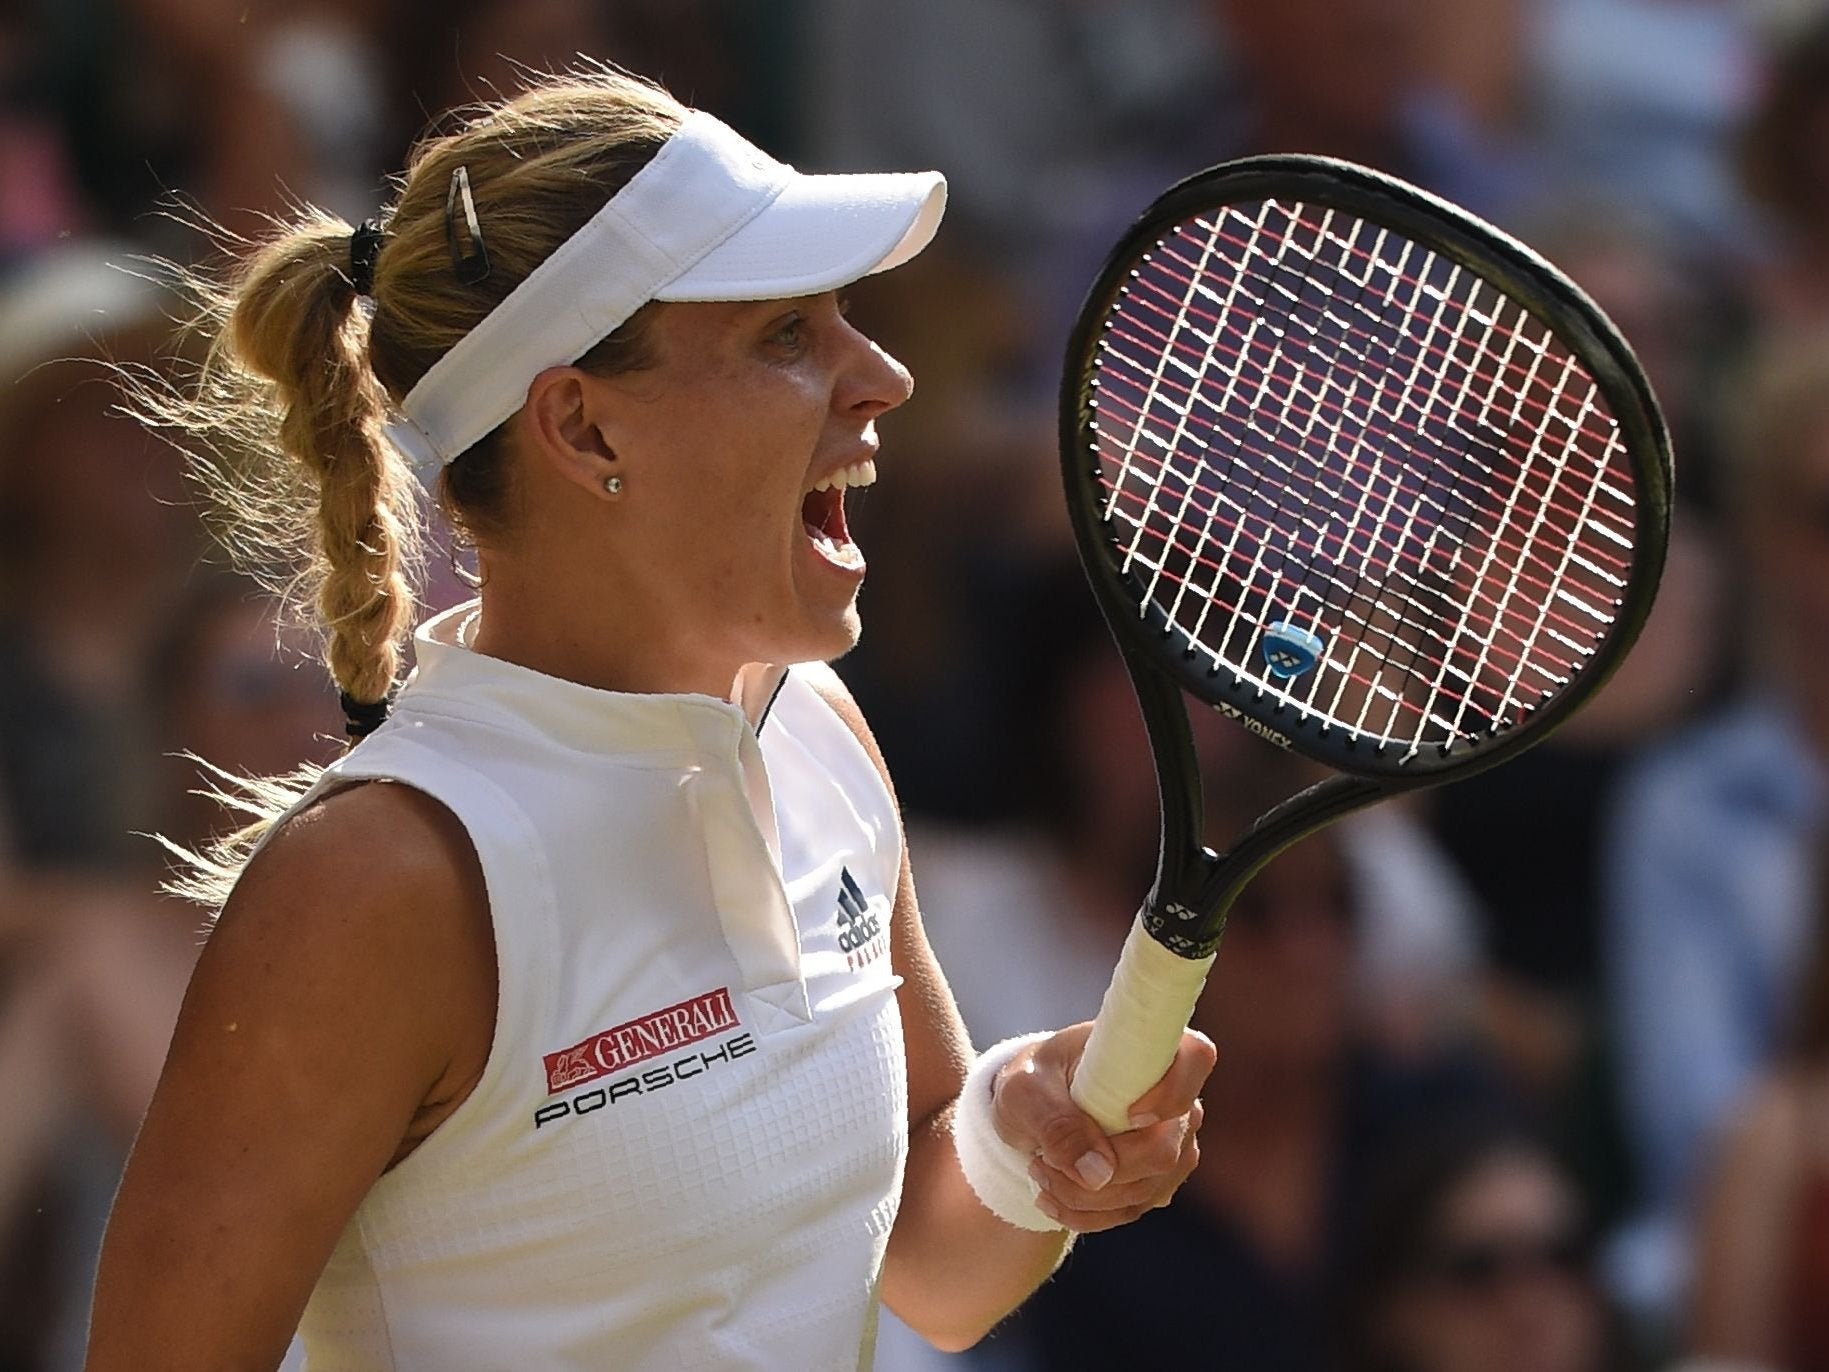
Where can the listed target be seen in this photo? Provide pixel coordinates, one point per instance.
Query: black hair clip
(363, 717)
(471, 267)
(364, 252)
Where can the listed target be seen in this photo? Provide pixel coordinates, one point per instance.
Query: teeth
(857, 474)
(841, 554)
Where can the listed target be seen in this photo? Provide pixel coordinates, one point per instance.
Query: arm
(1682, 979)
(344, 1004)
(1748, 1215)
(953, 1268)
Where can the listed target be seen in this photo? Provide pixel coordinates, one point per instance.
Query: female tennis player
(581, 1016)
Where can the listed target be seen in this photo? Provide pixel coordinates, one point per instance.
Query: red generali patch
(640, 1039)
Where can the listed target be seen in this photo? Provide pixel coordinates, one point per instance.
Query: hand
(1090, 1181)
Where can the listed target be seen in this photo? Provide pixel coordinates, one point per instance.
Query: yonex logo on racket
(1263, 731)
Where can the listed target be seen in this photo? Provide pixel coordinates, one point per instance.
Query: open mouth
(822, 514)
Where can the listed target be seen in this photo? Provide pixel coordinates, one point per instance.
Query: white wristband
(998, 1173)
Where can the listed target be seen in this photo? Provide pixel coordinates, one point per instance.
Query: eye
(789, 331)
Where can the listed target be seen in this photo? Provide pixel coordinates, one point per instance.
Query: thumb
(1038, 1111)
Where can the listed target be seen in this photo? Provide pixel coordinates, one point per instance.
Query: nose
(875, 383)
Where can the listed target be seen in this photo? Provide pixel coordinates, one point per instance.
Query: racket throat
(1186, 930)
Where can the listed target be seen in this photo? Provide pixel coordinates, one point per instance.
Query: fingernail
(1094, 1170)
(1144, 1120)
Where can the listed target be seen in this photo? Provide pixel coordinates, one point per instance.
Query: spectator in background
(96, 539)
(91, 975)
(40, 203)
(974, 508)
(1784, 165)
(1644, 97)
(1762, 1262)
(1472, 1256)
(1543, 1005)
(1031, 108)
(1357, 79)
(231, 106)
(233, 690)
(1709, 852)
(95, 542)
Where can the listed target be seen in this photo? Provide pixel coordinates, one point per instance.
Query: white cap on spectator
(67, 302)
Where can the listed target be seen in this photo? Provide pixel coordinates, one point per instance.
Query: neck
(592, 640)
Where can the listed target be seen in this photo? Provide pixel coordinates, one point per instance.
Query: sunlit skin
(701, 564)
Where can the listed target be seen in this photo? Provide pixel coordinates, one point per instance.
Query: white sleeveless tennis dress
(686, 1149)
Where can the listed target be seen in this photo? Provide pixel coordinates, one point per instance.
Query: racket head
(1360, 378)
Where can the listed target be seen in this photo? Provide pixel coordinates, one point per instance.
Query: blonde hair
(283, 417)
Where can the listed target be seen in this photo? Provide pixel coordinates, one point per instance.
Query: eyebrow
(790, 301)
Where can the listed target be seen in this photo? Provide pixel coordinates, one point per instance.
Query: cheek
(743, 450)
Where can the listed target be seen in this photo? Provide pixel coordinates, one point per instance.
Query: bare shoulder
(373, 839)
(343, 1004)
(374, 899)
(832, 689)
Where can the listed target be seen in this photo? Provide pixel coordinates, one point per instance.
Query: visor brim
(819, 233)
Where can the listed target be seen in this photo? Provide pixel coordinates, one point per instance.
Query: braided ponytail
(295, 325)
(283, 418)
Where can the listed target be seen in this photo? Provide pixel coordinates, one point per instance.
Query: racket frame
(1194, 886)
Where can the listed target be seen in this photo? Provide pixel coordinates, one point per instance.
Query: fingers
(1152, 1163)
(1090, 1181)
(1036, 1113)
(1175, 1093)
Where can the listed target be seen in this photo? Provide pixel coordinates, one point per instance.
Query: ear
(562, 428)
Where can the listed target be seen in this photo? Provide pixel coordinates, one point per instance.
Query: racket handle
(1138, 1031)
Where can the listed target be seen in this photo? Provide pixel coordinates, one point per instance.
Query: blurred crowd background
(1528, 1075)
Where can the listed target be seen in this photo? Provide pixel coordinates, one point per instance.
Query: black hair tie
(364, 251)
(363, 717)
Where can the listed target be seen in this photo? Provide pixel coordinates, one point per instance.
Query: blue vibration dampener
(1289, 651)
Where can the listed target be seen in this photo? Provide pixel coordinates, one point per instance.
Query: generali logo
(623, 1046)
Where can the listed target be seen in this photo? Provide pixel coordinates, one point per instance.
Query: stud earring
(613, 484)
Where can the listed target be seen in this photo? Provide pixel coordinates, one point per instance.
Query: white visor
(711, 217)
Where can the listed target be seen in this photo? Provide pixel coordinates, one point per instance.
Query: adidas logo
(860, 933)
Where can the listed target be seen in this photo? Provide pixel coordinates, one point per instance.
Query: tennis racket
(1368, 476)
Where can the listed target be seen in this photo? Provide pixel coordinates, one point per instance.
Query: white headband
(711, 217)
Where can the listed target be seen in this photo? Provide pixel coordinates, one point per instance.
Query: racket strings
(1606, 562)
(1374, 545)
(1425, 480)
(1412, 434)
(1238, 636)
(1380, 631)
(1365, 339)
(1396, 277)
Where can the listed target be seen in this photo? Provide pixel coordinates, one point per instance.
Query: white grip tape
(1138, 1031)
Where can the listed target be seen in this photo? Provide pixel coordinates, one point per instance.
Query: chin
(835, 640)
(824, 640)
